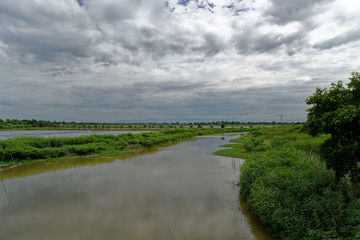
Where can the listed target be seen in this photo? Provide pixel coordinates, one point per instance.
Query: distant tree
(336, 111)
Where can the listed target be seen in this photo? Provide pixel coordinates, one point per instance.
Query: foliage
(336, 111)
(288, 187)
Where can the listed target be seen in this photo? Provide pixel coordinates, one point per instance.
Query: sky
(172, 61)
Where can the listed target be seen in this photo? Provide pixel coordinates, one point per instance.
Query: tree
(336, 111)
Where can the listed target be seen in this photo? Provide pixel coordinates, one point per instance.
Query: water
(57, 133)
(179, 192)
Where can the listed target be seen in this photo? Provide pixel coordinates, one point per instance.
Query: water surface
(179, 192)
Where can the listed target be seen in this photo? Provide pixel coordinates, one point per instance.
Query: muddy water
(179, 192)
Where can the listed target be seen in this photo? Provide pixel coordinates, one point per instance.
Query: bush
(261, 163)
(297, 202)
(86, 149)
(53, 152)
(336, 111)
(21, 152)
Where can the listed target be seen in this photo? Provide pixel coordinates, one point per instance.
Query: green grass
(28, 149)
(289, 189)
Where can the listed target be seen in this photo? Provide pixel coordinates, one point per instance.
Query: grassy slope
(289, 188)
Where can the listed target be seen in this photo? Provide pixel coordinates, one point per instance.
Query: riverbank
(34, 149)
(288, 187)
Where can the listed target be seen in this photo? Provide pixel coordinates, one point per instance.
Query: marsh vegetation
(26, 149)
(289, 188)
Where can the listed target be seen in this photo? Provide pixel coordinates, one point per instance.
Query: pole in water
(12, 159)
(4, 186)
(3, 155)
(2, 181)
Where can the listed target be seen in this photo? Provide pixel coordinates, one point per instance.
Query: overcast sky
(176, 60)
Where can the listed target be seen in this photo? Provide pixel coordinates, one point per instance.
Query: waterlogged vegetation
(26, 149)
(288, 187)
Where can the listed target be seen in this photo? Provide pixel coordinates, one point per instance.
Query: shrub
(86, 149)
(52, 152)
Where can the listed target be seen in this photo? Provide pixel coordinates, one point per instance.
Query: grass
(288, 187)
(30, 149)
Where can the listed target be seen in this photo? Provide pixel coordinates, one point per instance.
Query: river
(182, 191)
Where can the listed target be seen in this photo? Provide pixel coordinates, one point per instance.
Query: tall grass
(290, 190)
(34, 148)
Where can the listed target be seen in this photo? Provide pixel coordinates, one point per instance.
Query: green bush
(21, 152)
(52, 152)
(295, 202)
(86, 149)
(260, 163)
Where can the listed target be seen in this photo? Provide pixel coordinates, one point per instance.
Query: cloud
(191, 60)
(285, 11)
(348, 37)
(178, 101)
(45, 31)
(110, 32)
(251, 41)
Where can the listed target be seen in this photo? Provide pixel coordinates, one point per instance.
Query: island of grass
(29, 149)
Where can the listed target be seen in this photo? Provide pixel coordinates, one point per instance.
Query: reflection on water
(58, 133)
(22, 170)
(179, 192)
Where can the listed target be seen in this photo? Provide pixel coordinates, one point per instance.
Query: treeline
(33, 123)
(288, 187)
(15, 123)
(22, 149)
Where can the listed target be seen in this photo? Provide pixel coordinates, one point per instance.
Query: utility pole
(281, 116)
